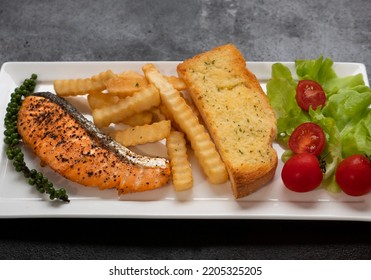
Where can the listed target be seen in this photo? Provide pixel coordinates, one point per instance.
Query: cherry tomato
(310, 94)
(302, 173)
(354, 175)
(307, 138)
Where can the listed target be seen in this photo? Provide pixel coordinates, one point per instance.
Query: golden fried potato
(131, 74)
(140, 101)
(176, 82)
(72, 87)
(157, 115)
(103, 76)
(99, 100)
(143, 134)
(168, 115)
(204, 148)
(180, 166)
(141, 118)
(126, 84)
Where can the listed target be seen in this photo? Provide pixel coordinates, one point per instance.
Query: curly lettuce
(281, 90)
(345, 118)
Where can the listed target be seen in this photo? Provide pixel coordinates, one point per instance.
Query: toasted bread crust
(237, 114)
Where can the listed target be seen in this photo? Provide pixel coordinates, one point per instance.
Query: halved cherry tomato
(302, 173)
(310, 94)
(354, 175)
(307, 138)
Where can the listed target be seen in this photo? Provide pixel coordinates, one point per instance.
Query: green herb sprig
(12, 140)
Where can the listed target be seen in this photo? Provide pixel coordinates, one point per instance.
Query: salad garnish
(344, 116)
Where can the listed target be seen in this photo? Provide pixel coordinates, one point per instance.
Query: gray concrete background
(277, 30)
(174, 30)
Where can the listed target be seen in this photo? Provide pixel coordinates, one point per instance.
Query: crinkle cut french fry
(71, 87)
(165, 111)
(140, 101)
(141, 118)
(176, 82)
(168, 115)
(180, 166)
(131, 74)
(74, 87)
(143, 134)
(200, 140)
(103, 76)
(157, 114)
(126, 84)
(99, 100)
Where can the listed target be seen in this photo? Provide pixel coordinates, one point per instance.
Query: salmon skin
(75, 148)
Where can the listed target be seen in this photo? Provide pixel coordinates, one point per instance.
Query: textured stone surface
(173, 30)
(277, 30)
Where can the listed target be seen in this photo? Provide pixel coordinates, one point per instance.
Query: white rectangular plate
(273, 201)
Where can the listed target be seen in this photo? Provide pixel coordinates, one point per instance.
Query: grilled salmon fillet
(72, 146)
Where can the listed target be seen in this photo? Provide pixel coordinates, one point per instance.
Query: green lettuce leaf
(348, 105)
(319, 70)
(332, 86)
(345, 118)
(281, 90)
(357, 139)
(333, 152)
